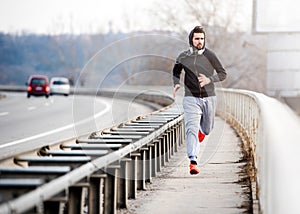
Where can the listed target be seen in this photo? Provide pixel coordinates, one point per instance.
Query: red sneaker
(194, 169)
(201, 136)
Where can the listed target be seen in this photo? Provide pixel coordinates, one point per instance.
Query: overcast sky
(46, 16)
(278, 16)
(83, 16)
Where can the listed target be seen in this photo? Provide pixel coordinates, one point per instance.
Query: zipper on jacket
(197, 72)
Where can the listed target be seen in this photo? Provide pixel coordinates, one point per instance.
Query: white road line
(30, 108)
(4, 113)
(105, 110)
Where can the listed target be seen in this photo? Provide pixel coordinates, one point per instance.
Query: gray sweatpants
(199, 113)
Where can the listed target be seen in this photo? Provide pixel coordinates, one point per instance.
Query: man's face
(198, 40)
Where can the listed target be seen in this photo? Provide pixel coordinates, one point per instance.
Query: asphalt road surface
(26, 124)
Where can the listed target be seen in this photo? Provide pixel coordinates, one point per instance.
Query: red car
(38, 85)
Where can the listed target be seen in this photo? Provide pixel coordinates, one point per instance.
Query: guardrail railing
(95, 175)
(132, 153)
(270, 131)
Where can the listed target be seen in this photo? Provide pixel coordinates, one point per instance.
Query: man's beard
(199, 47)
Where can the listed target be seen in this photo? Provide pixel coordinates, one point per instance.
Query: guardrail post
(54, 205)
(167, 142)
(171, 141)
(123, 183)
(154, 158)
(76, 198)
(51, 206)
(163, 149)
(182, 133)
(158, 154)
(141, 170)
(176, 138)
(148, 164)
(110, 190)
(96, 191)
(133, 175)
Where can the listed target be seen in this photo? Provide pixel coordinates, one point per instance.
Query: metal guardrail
(94, 175)
(270, 131)
(154, 99)
(268, 128)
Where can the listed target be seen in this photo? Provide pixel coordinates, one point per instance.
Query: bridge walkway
(221, 187)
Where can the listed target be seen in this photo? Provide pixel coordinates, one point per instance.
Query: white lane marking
(4, 113)
(105, 110)
(30, 108)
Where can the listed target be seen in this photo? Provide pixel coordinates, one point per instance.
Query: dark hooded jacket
(195, 62)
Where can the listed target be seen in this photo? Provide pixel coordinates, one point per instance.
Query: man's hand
(203, 80)
(176, 88)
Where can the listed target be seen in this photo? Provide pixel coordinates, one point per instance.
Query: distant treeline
(67, 55)
(24, 55)
(115, 59)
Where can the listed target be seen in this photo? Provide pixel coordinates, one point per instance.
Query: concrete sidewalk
(221, 187)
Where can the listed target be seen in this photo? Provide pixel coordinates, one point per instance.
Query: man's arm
(221, 73)
(176, 77)
(176, 88)
(176, 73)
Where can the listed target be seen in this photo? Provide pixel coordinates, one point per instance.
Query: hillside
(116, 58)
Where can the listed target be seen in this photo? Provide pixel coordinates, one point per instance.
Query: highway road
(26, 124)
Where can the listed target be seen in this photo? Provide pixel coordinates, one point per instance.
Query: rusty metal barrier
(94, 175)
(270, 133)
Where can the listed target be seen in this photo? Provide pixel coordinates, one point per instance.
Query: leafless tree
(242, 54)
